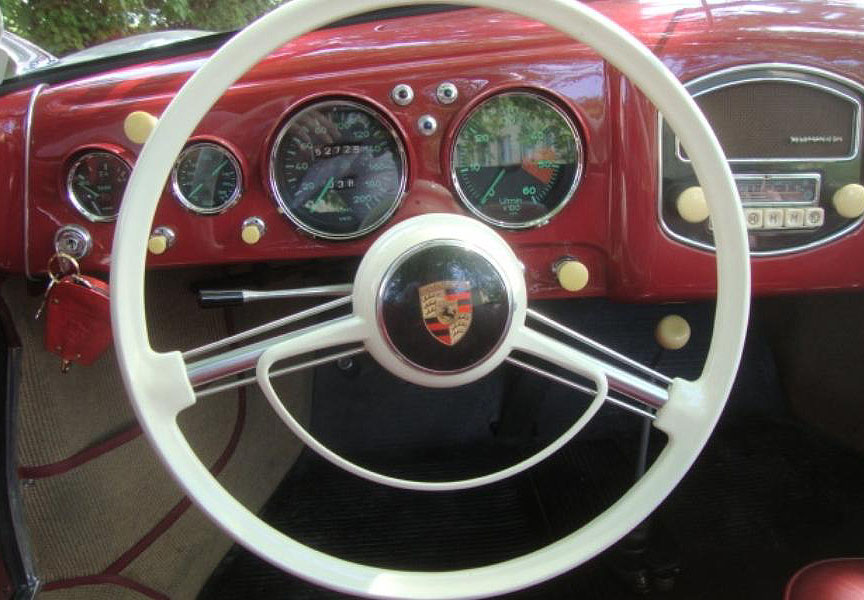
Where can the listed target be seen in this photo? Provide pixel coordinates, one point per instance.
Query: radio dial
(849, 201)
(691, 205)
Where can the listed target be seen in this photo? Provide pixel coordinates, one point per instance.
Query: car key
(78, 319)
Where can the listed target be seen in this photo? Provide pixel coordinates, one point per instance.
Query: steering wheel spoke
(340, 331)
(639, 388)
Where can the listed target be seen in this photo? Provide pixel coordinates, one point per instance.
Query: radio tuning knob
(691, 205)
(849, 201)
(572, 274)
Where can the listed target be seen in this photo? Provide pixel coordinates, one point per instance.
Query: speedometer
(338, 169)
(517, 160)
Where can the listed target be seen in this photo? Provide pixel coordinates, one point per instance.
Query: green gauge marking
(207, 178)
(517, 159)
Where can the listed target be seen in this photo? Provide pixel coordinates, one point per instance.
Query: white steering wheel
(161, 385)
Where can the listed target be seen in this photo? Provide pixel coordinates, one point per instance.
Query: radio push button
(754, 217)
(814, 218)
(793, 218)
(774, 218)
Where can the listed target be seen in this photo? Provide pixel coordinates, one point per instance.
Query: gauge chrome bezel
(191, 206)
(384, 121)
(577, 176)
(70, 191)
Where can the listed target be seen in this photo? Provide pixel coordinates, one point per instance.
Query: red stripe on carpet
(80, 458)
(117, 580)
(175, 513)
(111, 574)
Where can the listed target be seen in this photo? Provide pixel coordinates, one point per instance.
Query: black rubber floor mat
(765, 497)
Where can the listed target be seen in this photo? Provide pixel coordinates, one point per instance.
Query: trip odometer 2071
(338, 169)
(517, 160)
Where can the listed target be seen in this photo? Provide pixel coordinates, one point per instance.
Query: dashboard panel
(492, 116)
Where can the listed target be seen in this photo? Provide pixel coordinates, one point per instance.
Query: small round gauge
(207, 178)
(95, 184)
(517, 160)
(338, 169)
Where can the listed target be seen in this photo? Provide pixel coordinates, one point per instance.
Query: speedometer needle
(327, 187)
(219, 168)
(491, 188)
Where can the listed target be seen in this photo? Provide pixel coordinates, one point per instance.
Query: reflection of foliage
(63, 26)
(511, 128)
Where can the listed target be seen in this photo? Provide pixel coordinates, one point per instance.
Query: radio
(792, 136)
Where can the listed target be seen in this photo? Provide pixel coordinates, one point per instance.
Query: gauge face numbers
(95, 185)
(338, 169)
(517, 160)
(207, 178)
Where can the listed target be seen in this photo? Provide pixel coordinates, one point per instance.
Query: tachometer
(207, 178)
(338, 169)
(95, 185)
(517, 160)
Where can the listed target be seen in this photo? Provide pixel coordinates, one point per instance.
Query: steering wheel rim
(159, 386)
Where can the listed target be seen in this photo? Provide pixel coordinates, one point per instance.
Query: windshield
(77, 30)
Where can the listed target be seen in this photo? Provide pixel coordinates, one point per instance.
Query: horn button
(444, 307)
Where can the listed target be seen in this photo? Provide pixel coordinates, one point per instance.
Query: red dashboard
(611, 224)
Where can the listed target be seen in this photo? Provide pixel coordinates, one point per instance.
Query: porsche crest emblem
(447, 310)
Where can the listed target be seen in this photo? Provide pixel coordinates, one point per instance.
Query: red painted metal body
(611, 224)
(13, 120)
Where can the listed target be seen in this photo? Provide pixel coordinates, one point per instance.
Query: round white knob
(252, 231)
(139, 125)
(572, 275)
(673, 332)
(160, 240)
(691, 205)
(849, 201)
(157, 244)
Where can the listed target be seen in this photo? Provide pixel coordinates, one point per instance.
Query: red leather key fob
(78, 319)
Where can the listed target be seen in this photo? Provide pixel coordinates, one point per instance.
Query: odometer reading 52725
(338, 169)
(517, 160)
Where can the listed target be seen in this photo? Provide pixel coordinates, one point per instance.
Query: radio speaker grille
(781, 120)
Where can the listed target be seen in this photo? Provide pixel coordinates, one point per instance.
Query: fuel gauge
(95, 185)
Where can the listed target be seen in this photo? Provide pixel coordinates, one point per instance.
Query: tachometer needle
(327, 187)
(195, 190)
(491, 189)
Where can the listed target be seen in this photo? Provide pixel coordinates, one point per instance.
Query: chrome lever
(222, 298)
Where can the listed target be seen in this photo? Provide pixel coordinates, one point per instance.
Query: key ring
(62, 262)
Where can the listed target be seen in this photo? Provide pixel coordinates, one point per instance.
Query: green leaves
(64, 26)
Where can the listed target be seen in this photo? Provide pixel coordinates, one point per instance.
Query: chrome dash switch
(427, 125)
(402, 94)
(73, 240)
(447, 93)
